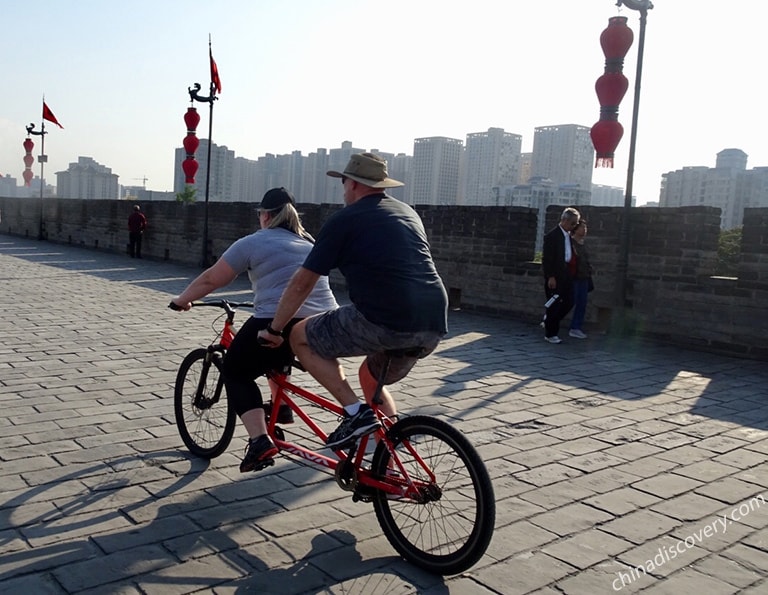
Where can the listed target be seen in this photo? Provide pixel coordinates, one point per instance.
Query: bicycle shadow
(333, 564)
(182, 535)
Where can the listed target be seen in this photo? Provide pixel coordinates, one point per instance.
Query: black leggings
(246, 360)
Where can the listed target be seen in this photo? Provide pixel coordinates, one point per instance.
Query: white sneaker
(555, 340)
(576, 334)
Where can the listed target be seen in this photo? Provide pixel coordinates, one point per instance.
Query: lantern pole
(42, 158)
(643, 6)
(194, 96)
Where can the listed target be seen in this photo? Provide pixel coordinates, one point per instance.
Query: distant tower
(564, 154)
(731, 159)
(491, 160)
(222, 171)
(728, 186)
(436, 163)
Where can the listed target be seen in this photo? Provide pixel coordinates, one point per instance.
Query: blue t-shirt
(271, 257)
(380, 246)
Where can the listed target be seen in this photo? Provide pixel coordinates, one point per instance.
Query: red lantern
(606, 134)
(610, 89)
(189, 165)
(191, 143)
(28, 161)
(616, 40)
(191, 119)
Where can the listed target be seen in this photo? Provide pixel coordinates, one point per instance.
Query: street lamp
(194, 96)
(42, 158)
(190, 164)
(642, 6)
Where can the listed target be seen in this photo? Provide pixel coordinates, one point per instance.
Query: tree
(188, 196)
(728, 252)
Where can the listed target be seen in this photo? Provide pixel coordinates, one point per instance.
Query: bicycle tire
(451, 533)
(206, 431)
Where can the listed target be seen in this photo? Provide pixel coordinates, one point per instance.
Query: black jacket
(553, 257)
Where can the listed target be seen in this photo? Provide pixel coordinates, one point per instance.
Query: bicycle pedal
(362, 495)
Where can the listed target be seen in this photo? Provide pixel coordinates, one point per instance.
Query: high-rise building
(525, 174)
(7, 186)
(220, 185)
(608, 196)
(728, 186)
(491, 160)
(564, 154)
(314, 185)
(436, 163)
(246, 183)
(538, 194)
(87, 179)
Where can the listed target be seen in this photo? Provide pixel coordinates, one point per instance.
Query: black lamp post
(194, 96)
(42, 158)
(642, 6)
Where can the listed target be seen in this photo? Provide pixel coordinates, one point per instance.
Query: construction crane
(143, 181)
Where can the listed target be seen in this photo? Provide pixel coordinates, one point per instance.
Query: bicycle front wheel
(449, 530)
(205, 421)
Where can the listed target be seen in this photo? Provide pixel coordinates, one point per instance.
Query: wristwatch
(272, 331)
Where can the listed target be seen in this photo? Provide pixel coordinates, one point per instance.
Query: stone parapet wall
(486, 258)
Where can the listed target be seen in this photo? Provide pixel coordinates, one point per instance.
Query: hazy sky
(303, 74)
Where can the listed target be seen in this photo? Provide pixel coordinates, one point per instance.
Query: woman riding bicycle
(271, 256)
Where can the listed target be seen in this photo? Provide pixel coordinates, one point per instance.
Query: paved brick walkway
(607, 455)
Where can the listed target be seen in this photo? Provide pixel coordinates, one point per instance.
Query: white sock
(352, 409)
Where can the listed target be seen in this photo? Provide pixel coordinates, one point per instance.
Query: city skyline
(294, 78)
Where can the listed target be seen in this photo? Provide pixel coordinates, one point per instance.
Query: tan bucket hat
(368, 169)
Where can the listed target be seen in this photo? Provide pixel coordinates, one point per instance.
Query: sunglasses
(343, 179)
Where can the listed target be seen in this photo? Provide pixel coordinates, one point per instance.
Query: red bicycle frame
(399, 483)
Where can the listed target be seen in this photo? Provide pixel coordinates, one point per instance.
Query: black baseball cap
(276, 198)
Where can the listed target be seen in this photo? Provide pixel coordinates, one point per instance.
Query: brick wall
(485, 256)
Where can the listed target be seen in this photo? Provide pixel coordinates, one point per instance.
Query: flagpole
(42, 158)
(206, 253)
(194, 96)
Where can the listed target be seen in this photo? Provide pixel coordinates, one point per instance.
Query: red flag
(214, 71)
(48, 115)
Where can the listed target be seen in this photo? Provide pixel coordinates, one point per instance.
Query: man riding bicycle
(398, 299)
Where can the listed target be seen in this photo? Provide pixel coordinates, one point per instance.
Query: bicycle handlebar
(226, 305)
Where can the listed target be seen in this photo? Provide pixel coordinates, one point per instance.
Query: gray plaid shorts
(345, 332)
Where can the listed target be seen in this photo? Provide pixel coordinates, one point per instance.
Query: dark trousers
(580, 297)
(246, 360)
(559, 310)
(134, 244)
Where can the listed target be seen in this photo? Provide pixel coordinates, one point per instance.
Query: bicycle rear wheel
(206, 423)
(451, 530)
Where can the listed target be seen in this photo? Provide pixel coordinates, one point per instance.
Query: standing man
(398, 299)
(559, 265)
(137, 223)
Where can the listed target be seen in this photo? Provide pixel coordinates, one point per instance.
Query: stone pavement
(618, 465)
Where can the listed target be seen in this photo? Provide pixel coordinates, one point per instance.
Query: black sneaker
(284, 413)
(258, 454)
(353, 426)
